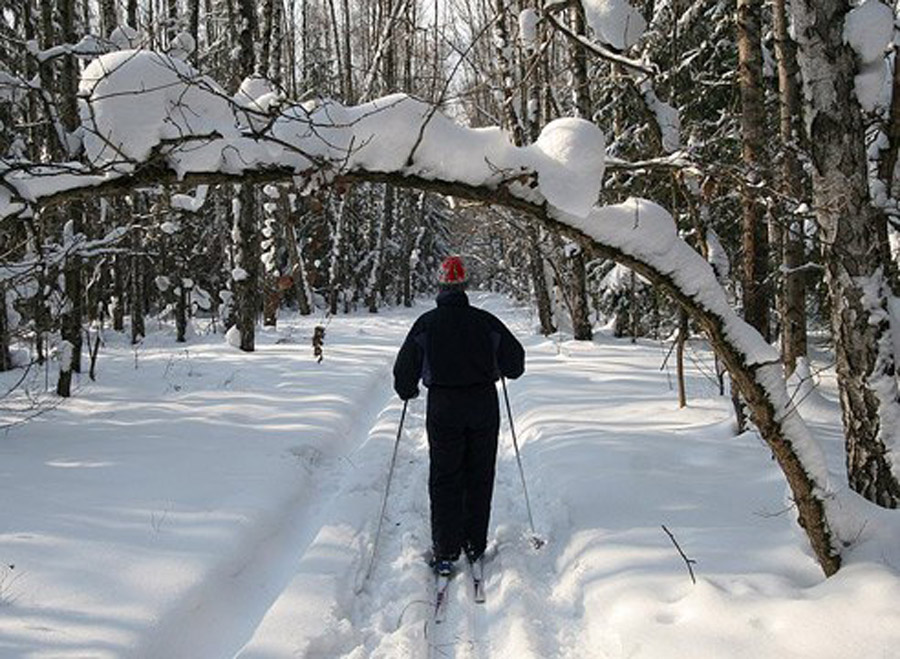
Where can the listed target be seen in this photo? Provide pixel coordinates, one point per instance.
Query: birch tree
(855, 271)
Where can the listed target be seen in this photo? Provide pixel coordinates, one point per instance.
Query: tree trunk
(581, 89)
(109, 20)
(679, 357)
(887, 165)
(505, 70)
(298, 269)
(854, 272)
(348, 57)
(70, 329)
(336, 272)
(539, 281)
(246, 258)
(181, 311)
(581, 312)
(793, 311)
(247, 248)
(5, 360)
(136, 293)
(194, 30)
(118, 297)
(133, 14)
(754, 238)
(376, 249)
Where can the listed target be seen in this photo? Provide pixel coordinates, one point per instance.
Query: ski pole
(384, 500)
(536, 540)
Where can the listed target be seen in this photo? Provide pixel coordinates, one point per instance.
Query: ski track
(219, 614)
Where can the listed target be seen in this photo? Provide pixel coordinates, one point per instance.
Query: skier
(459, 352)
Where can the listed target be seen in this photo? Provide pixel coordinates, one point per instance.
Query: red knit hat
(452, 271)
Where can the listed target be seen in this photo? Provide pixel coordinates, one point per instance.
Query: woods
(229, 162)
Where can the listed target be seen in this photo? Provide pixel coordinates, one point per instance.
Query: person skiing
(459, 352)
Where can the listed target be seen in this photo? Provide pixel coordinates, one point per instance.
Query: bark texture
(853, 256)
(755, 245)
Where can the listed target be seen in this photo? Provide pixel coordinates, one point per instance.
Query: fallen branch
(687, 561)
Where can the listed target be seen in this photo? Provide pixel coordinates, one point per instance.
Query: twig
(687, 561)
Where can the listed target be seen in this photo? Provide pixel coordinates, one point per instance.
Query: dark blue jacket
(456, 345)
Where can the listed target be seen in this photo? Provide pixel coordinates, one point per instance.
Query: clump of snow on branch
(868, 29)
(528, 28)
(615, 22)
(190, 203)
(134, 100)
(562, 143)
(186, 120)
(125, 37)
(182, 45)
(718, 257)
(258, 97)
(666, 118)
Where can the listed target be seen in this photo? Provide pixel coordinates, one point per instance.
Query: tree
(793, 312)
(856, 273)
(246, 237)
(753, 121)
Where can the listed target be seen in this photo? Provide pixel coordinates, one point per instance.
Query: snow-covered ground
(196, 502)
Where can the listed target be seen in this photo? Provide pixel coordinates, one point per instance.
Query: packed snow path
(200, 503)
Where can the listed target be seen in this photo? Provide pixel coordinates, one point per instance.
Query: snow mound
(186, 119)
(571, 163)
(868, 29)
(615, 22)
(528, 27)
(134, 100)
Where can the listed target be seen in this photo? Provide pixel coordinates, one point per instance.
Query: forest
(671, 168)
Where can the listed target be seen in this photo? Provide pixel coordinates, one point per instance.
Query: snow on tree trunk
(336, 269)
(64, 383)
(505, 72)
(866, 363)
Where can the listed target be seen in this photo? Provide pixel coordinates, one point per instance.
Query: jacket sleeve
(510, 353)
(408, 365)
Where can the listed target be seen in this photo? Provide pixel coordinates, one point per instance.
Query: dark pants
(462, 440)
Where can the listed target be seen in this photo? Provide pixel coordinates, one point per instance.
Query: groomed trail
(200, 503)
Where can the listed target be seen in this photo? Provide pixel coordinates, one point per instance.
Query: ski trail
(326, 610)
(216, 618)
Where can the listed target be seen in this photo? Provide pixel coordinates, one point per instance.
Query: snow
(617, 23)
(162, 95)
(666, 118)
(125, 37)
(718, 257)
(528, 26)
(186, 117)
(869, 29)
(201, 502)
(190, 203)
(182, 45)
